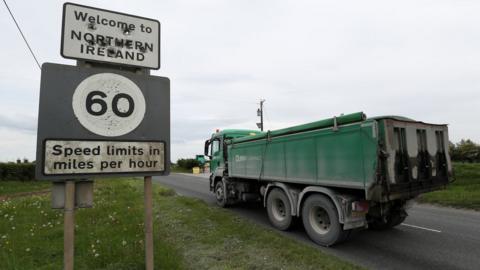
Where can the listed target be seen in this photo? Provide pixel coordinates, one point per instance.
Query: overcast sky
(309, 60)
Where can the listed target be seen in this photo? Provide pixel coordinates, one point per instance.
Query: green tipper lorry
(336, 174)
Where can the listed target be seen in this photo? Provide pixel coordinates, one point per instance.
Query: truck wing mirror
(207, 144)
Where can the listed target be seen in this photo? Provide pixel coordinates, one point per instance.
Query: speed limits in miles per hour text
(69, 157)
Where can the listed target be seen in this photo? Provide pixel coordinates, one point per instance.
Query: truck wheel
(220, 194)
(320, 219)
(399, 219)
(279, 209)
(389, 222)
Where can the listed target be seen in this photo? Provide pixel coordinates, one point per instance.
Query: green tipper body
(309, 154)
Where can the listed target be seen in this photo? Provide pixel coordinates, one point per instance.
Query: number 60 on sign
(108, 104)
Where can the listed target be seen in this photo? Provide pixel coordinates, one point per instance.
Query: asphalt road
(430, 238)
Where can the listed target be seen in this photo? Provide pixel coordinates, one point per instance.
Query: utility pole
(260, 113)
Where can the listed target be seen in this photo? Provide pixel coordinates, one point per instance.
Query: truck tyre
(320, 219)
(279, 209)
(399, 219)
(389, 222)
(220, 197)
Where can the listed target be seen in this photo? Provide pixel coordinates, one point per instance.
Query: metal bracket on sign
(83, 194)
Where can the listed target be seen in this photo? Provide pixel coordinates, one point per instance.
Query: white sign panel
(68, 157)
(108, 104)
(100, 35)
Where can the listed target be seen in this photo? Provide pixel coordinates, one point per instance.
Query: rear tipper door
(418, 159)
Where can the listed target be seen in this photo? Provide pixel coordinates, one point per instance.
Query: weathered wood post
(69, 225)
(148, 223)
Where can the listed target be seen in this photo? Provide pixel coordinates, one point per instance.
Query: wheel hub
(319, 220)
(219, 193)
(278, 209)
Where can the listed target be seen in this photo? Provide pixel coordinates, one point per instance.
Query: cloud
(16, 144)
(184, 130)
(19, 123)
(216, 78)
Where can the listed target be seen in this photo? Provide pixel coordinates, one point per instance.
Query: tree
(465, 151)
(187, 163)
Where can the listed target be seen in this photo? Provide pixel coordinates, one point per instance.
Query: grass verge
(213, 238)
(189, 234)
(463, 193)
(108, 236)
(12, 187)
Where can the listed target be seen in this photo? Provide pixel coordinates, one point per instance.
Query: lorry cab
(214, 147)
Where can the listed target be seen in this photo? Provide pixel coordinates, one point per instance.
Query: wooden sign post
(148, 223)
(69, 225)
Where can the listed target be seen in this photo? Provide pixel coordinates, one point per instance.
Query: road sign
(97, 122)
(100, 35)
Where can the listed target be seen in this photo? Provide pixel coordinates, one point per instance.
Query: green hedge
(17, 171)
(465, 151)
(187, 163)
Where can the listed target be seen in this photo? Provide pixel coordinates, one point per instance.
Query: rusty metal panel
(85, 108)
(83, 194)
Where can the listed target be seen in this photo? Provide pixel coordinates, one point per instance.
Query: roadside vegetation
(18, 177)
(177, 169)
(8, 188)
(17, 171)
(185, 165)
(189, 234)
(463, 193)
(109, 236)
(465, 151)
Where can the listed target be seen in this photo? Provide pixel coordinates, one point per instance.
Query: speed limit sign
(98, 121)
(108, 104)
